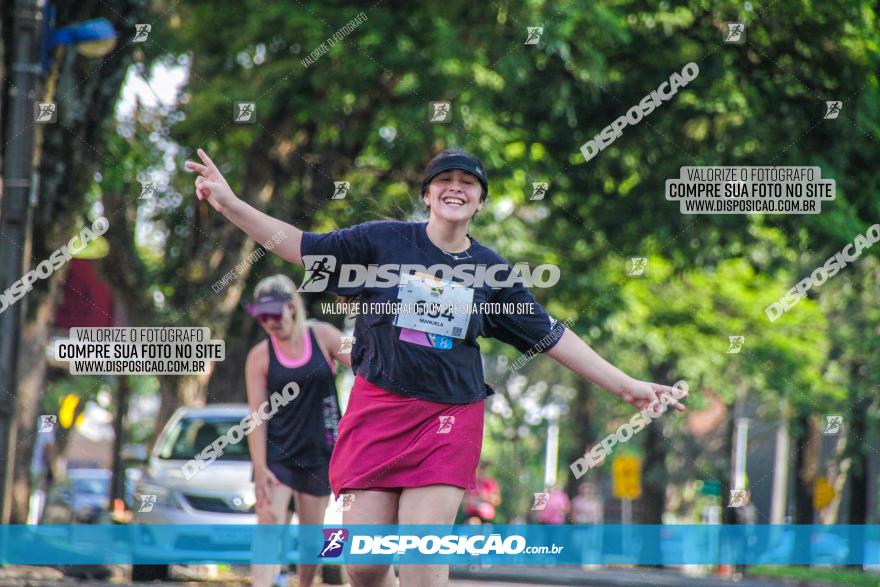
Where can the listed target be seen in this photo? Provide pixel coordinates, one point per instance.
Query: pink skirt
(387, 441)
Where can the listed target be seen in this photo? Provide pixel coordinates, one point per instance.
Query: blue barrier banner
(433, 544)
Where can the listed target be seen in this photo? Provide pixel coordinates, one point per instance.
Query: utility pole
(117, 486)
(779, 502)
(740, 453)
(551, 453)
(18, 153)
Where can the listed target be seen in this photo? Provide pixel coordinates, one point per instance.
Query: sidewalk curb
(572, 575)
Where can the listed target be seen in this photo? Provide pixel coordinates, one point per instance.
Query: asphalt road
(497, 576)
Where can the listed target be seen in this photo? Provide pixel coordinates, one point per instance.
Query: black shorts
(311, 480)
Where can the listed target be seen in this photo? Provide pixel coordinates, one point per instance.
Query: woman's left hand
(641, 394)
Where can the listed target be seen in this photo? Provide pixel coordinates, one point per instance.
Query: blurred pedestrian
(480, 502)
(556, 508)
(41, 474)
(587, 509)
(587, 506)
(291, 454)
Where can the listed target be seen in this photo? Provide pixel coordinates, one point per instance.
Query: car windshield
(191, 435)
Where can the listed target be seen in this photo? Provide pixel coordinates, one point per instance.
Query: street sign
(626, 475)
(68, 409)
(711, 487)
(823, 493)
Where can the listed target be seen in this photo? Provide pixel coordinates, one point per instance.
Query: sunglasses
(267, 317)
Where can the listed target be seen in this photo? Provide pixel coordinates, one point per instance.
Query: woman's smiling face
(454, 195)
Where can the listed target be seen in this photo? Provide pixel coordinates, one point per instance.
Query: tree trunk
(655, 476)
(31, 383)
(806, 453)
(728, 515)
(585, 436)
(806, 466)
(857, 431)
(167, 404)
(68, 154)
(227, 383)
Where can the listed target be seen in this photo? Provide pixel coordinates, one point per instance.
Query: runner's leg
(310, 509)
(434, 504)
(371, 507)
(276, 513)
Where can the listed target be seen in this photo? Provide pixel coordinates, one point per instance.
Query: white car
(220, 494)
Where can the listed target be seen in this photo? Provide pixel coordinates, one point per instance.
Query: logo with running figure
(736, 344)
(334, 542)
(147, 501)
(141, 32)
(832, 109)
(45, 112)
(637, 266)
(833, 422)
(340, 190)
(739, 498)
(539, 190)
(446, 423)
(319, 268)
(534, 35)
(244, 112)
(440, 111)
(734, 33)
(346, 344)
(346, 500)
(147, 189)
(541, 500)
(47, 423)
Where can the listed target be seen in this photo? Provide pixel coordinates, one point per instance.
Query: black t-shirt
(437, 366)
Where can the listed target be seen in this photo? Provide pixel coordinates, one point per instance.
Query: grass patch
(817, 574)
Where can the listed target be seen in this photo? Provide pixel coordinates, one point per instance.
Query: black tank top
(302, 433)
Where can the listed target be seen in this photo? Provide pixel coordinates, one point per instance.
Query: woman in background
(291, 453)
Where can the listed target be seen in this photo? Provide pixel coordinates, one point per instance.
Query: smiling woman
(410, 440)
(450, 168)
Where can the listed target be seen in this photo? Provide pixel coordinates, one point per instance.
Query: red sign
(87, 299)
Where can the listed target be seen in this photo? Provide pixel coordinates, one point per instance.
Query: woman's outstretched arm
(575, 354)
(212, 186)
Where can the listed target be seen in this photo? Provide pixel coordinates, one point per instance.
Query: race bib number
(432, 305)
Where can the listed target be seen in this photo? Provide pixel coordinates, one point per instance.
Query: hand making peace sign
(210, 184)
